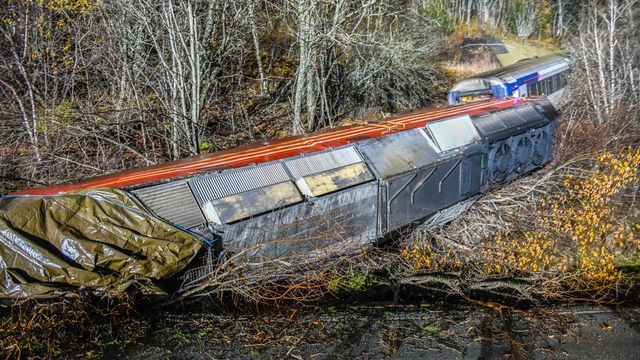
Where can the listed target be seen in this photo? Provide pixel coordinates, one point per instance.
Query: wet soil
(365, 330)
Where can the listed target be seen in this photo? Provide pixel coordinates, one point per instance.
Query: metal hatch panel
(398, 153)
(453, 132)
(249, 203)
(328, 171)
(173, 202)
(336, 179)
(241, 193)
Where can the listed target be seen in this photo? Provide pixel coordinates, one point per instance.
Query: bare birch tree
(607, 57)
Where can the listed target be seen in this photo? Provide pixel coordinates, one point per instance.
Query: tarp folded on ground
(96, 239)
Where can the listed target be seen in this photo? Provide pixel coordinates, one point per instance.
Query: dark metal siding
(416, 195)
(343, 219)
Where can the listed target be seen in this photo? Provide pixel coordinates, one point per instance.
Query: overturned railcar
(345, 187)
(355, 193)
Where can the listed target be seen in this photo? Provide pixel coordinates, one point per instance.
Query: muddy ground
(378, 331)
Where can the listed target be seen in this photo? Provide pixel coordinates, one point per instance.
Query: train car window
(549, 85)
(453, 133)
(534, 89)
(563, 79)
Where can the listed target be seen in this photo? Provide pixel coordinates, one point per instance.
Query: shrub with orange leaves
(424, 257)
(583, 229)
(574, 242)
(529, 252)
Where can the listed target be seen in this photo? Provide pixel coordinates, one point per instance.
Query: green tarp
(97, 239)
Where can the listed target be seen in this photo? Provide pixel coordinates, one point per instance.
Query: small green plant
(255, 353)
(431, 330)
(117, 343)
(352, 281)
(205, 147)
(95, 354)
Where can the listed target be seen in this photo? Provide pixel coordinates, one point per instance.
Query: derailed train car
(359, 192)
(321, 192)
(537, 77)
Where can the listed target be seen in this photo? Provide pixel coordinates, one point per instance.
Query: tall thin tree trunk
(304, 13)
(195, 80)
(256, 45)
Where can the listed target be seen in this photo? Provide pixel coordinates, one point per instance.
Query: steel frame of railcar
(512, 80)
(352, 195)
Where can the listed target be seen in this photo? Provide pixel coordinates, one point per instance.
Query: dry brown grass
(459, 69)
(30, 329)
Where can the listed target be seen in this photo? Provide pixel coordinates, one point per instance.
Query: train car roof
(278, 149)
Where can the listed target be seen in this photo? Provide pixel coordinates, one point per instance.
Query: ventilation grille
(316, 163)
(218, 186)
(173, 202)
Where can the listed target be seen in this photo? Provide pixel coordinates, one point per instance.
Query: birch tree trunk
(256, 45)
(304, 10)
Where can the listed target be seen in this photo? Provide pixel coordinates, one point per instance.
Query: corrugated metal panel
(328, 160)
(398, 153)
(217, 186)
(173, 202)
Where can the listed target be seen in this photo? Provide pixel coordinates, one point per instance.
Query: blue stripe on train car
(500, 91)
(511, 87)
